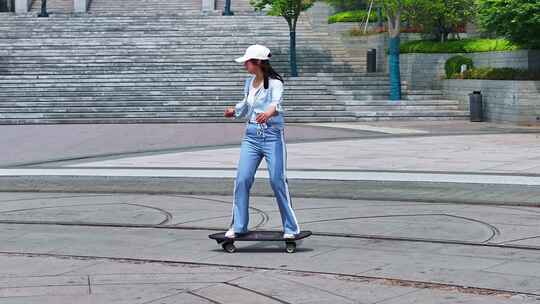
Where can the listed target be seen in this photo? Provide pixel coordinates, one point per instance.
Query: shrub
(353, 16)
(458, 46)
(498, 74)
(356, 31)
(453, 65)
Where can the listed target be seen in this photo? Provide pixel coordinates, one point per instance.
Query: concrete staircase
(162, 61)
(367, 95)
(153, 68)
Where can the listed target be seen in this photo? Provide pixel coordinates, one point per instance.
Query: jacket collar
(251, 83)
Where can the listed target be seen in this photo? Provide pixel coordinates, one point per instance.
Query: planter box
(508, 101)
(425, 70)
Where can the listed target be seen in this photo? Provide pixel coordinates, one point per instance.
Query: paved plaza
(423, 212)
(410, 152)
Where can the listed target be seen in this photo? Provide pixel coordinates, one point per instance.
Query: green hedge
(453, 65)
(498, 74)
(353, 16)
(458, 46)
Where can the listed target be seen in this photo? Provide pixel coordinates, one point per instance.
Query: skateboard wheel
(290, 247)
(229, 247)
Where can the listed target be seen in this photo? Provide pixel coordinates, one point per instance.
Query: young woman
(263, 137)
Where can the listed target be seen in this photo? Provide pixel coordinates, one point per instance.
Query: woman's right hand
(229, 112)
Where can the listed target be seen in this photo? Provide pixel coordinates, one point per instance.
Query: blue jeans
(268, 141)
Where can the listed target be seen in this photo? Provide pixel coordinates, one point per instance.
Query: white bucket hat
(255, 51)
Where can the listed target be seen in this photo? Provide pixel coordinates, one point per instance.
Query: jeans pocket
(274, 131)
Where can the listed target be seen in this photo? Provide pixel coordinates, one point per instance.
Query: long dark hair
(268, 71)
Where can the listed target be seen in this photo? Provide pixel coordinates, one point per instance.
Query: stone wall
(516, 102)
(425, 71)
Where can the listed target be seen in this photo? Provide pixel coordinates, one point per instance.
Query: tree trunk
(292, 53)
(393, 64)
(393, 55)
(292, 48)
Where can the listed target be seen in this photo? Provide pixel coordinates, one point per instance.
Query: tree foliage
(393, 9)
(288, 9)
(440, 18)
(517, 20)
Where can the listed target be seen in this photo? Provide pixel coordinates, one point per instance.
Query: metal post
(227, 11)
(43, 9)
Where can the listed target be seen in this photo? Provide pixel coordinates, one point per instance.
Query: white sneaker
(288, 236)
(230, 233)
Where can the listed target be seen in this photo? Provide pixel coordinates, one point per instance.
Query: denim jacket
(263, 99)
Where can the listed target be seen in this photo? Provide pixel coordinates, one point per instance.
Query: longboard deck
(259, 235)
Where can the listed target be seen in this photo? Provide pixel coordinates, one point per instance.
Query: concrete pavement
(438, 212)
(447, 246)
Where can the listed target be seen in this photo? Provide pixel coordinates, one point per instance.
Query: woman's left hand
(262, 117)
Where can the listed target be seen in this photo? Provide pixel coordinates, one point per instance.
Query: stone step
(210, 64)
(424, 94)
(143, 102)
(376, 90)
(403, 108)
(120, 120)
(119, 84)
(410, 118)
(422, 97)
(59, 72)
(189, 114)
(354, 77)
(237, 77)
(365, 86)
(152, 108)
(434, 102)
(175, 44)
(147, 91)
(144, 93)
(213, 22)
(200, 84)
(46, 71)
(412, 113)
(205, 38)
(172, 22)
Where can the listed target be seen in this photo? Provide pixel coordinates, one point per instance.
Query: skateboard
(258, 235)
